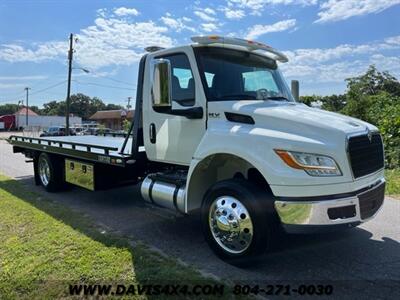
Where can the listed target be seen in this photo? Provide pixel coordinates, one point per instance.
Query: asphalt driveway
(366, 259)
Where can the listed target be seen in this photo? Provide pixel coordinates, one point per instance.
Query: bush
(384, 112)
(375, 98)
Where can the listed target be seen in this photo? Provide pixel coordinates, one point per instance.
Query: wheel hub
(230, 224)
(44, 171)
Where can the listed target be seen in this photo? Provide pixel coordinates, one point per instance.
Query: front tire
(238, 220)
(50, 172)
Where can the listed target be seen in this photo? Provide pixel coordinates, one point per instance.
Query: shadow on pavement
(146, 264)
(353, 260)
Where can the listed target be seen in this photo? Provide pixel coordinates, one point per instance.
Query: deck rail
(42, 141)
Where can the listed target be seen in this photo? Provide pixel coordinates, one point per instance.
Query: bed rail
(49, 142)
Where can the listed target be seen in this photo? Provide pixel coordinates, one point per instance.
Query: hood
(295, 118)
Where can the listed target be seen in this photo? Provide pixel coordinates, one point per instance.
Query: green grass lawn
(45, 246)
(393, 183)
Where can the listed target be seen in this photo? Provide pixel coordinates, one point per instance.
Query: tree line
(375, 98)
(81, 105)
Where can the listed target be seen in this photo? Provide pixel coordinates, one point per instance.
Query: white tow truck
(217, 129)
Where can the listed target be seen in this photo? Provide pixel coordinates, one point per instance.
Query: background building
(112, 118)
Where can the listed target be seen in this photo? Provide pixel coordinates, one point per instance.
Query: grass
(45, 246)
(296, 213)
(393, 183)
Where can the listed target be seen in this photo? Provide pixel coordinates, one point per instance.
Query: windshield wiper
(277, 98)
(237, 97)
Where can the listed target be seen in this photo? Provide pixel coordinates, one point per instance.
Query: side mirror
(161, 85)
(295, 89)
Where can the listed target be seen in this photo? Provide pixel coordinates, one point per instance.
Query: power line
(34, 93)
(103, 85)
(110, 78)
(116, 80)
(16, 98)
(49, 87)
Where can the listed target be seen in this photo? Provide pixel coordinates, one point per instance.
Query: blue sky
(325, 40)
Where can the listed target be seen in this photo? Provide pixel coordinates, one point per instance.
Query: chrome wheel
(230, 224)
(44, 172)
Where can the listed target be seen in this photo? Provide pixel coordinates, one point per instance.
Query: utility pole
(27, 105)
(129, 103)
(68, 100)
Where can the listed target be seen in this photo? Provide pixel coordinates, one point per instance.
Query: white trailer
(44, 122)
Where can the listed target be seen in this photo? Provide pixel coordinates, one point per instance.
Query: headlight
(313, 164)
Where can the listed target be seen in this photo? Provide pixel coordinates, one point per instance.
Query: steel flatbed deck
(101, 149)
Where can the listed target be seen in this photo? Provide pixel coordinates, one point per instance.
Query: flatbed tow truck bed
(101, 149)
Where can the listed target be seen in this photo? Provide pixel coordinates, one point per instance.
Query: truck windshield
(229, 74)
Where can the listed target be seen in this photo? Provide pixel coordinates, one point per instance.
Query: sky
(326, 41)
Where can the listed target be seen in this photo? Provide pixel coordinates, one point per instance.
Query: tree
(333, 102)
(307, 100)
(373, 82)
(126, 125)
(8, 109)
(111, 106)
(51, 108)
(384, 112)
(35, 109)
(85, 106)
(360, 88)
(81, 105)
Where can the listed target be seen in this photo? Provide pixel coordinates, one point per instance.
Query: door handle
(152, 133)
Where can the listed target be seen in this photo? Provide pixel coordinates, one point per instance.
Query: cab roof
(233, 43)
(236, 43)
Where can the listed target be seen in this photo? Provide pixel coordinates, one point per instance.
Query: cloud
(11, 85)
(319, 55)
(209, 11)
(334, 65)
(46, 51)
(123, 11)
(336, 10)
(257, 6)
(209, 27)
(258, 30)
(206, 14)
(393, 40)
(109, 41)
(118, 42)
(234, 14)
(178, 24)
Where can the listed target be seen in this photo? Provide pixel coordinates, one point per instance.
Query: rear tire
(50, 172)
(238, 220)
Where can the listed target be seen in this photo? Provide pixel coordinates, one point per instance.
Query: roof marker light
(248, 44)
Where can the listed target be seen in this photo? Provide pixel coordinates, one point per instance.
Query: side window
(183, 91)
(209, 78)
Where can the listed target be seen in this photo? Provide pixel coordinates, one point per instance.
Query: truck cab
(218, 131)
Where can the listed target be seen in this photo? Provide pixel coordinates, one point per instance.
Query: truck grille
(371, 201)
(366, 156)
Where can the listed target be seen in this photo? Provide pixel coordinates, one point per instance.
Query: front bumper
(304, 215)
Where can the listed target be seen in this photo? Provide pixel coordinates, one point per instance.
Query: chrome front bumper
(352, 208)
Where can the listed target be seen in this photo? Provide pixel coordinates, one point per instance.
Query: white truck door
(176, 137)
